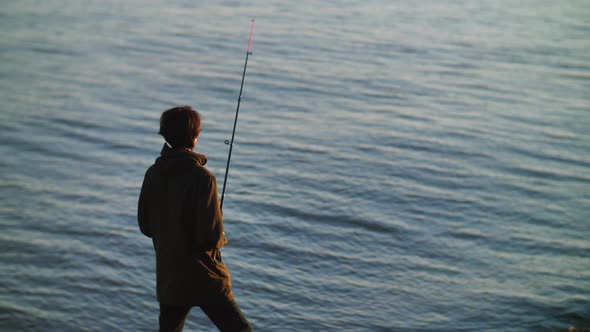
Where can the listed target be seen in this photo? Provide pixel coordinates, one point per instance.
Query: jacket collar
(170, 153)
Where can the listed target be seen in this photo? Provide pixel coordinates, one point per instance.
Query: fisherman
(179, 210)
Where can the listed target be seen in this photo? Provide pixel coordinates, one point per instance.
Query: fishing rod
(231, 143)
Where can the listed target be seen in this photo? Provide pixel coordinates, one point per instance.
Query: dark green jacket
(179, 209)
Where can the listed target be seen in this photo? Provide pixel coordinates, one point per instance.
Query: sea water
(398, 165)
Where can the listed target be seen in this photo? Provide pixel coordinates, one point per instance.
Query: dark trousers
(226, 315)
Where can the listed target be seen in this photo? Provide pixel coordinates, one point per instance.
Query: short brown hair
(180, 126)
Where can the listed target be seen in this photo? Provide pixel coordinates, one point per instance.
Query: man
(179, 209)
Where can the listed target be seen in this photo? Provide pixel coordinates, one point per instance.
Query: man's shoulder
(150, 170)
(189, 173)
(202, 173)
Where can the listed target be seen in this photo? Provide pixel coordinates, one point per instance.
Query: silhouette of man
(179, 210)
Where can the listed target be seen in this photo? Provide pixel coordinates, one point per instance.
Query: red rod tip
(250, 39)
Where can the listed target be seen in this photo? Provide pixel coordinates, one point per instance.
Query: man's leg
(227, 316)
(172, 317)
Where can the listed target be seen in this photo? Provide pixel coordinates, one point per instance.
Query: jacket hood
(178, 161)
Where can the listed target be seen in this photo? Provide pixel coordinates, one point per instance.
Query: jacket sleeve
(142, 206)
(209, 226)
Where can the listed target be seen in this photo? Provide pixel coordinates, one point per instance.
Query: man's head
(180, 126)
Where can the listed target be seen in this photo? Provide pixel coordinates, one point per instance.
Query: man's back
(178, 209)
